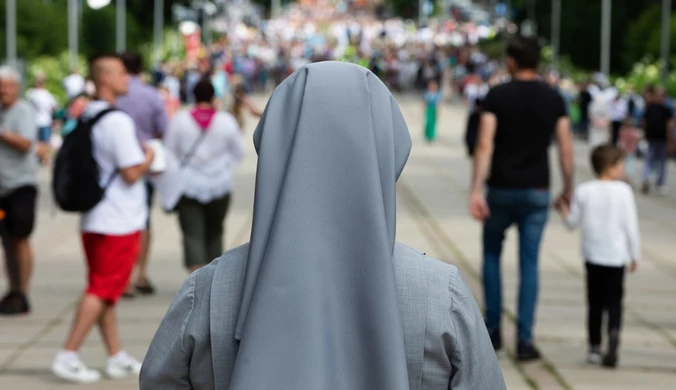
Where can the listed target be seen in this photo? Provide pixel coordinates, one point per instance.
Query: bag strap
(193, 149)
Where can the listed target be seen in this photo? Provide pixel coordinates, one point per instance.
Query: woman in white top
(208, 145)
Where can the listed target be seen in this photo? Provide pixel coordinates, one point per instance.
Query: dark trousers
(202, 225)
(605, 289)
(615, 134)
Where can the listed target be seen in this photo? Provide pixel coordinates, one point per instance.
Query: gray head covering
(319, 307)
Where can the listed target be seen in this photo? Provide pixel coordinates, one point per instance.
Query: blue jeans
(656, 161)
(528, 209)
(44, 133)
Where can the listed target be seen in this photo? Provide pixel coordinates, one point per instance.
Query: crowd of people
(177, 136)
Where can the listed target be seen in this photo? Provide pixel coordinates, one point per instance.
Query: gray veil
(319, 307)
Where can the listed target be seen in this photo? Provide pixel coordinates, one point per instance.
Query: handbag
(186, 160)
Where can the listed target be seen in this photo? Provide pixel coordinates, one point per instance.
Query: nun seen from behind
(322, 297)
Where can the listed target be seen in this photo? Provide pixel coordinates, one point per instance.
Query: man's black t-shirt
(657, 117)
(527, 113)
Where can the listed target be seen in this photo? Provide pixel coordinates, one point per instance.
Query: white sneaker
(69, 367)
(594, 357)
(122, 366)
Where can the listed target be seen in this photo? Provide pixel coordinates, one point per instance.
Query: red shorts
(111, 260)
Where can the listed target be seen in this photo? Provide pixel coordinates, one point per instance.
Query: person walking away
(618, 114)
(18, 189)
(45, 105)
(600, 112)
(241, 103)
(584, 101)
(630, 136)
(605, 210)
(525, 108)
(111, 231)
(74, 84)
(144, 104)
(323, 288)
(209, 146)
(432, 98)
(658, 124)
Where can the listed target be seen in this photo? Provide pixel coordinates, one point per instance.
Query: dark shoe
(646, 188)
(496, 339)
(14, 303)
(610, 360)
(145, 289)
(129, 294)
(526, 351)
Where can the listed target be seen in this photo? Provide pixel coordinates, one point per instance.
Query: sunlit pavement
(432, 217)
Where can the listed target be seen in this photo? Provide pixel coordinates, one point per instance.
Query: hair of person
(132, 61)
(95, 68)
(525, 51)
(650, 88)
(605, 157)
(8, 73)
(204, 92)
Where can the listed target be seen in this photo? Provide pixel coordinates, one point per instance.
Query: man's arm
(670, 134)
(132, 174)
(15, 141)
(161, 120)
(566, 161)
(482, 158)
(483, 151)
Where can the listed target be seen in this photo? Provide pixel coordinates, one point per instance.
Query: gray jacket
(447, 344)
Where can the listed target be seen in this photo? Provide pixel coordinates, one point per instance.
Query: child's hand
(633, 267)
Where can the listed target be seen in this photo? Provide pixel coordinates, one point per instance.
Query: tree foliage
(42, 27)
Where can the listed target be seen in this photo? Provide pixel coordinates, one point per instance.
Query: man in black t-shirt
(658, 125)
(519, 120)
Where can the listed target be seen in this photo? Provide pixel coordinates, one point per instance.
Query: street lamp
(97, 4)
(11, 31)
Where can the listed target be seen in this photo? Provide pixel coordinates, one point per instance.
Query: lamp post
(121, 26)
(666, 43)
(158, 35)
(556, 30)
(73, 19)
(11, 31)
(605, 37)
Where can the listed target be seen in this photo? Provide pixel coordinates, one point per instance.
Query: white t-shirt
(74, 85)
(44, 104)
(123, 209)
(606, 213)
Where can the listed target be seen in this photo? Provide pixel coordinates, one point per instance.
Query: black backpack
(75, 182)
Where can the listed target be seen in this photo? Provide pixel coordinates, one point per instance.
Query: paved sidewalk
(432, 217)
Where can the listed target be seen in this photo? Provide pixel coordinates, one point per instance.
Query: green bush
(55, 70)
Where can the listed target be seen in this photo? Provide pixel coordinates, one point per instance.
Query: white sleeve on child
(575, 213)
(631, 226)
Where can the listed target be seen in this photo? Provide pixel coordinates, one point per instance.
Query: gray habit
(322, 298)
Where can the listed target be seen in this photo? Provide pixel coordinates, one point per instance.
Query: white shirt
(74, 85)
(123, 209)
(620, 110)
(606, 213)
(44, 104)
(208, 173)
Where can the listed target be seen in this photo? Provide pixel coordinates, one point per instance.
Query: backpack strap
(91, 122)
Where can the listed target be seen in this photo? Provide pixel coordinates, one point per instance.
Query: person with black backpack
(98, 173)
